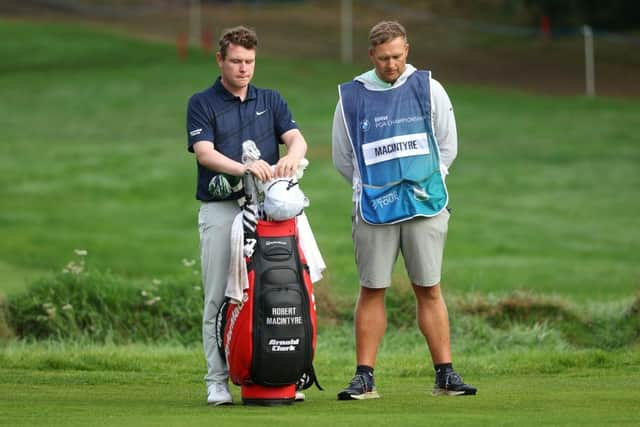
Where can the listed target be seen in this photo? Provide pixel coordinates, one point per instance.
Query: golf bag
(269, 337)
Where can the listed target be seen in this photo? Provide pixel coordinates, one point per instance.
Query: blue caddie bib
(397, 156)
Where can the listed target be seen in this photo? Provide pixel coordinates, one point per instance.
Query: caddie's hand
(286, 167)
(261, 170)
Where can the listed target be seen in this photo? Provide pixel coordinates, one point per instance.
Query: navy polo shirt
(216, 115)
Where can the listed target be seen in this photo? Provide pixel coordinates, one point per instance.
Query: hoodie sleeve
(444, 125)
(341, 146)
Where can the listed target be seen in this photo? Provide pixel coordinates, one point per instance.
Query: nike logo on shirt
(259, 113)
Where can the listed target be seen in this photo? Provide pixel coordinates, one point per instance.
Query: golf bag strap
(308, 379)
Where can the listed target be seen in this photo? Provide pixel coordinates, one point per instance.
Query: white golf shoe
(218, 394)
(300, 397)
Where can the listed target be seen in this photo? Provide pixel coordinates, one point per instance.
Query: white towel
(237, 281)
(310, 248)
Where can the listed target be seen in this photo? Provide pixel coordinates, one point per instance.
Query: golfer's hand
(261, 170)
(286, 167)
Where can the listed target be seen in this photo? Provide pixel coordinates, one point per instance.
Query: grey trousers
(214, 224)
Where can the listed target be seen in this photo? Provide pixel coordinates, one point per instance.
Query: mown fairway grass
(92, 156)
(58, 399)
(162, 386)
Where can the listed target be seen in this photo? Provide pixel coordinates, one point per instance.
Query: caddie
(394, 139)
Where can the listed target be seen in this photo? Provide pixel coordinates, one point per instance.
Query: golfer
(219, 119)
(394, 139)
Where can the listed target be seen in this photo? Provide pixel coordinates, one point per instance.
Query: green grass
(546, 186)
(587, 399)
(544, 192)
(150, 385)
(80, 305)
(93, 157)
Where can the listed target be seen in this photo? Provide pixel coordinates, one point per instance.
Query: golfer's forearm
(296, 144)
(216, 161)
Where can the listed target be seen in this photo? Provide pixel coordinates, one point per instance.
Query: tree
(610, 15)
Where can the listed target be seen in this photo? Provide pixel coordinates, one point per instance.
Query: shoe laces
(361, 381)
(452, 379)
(448, 378)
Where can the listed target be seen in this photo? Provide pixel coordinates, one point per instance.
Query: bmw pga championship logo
(364, 125)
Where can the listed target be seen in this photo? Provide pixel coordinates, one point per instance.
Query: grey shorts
(421, 241)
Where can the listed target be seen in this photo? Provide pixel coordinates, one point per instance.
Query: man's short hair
(385, 31)
(241, 36)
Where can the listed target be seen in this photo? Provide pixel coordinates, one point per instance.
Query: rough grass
(88, 306)
(101, 307)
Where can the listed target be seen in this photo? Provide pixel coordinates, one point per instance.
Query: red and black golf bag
(269, 337)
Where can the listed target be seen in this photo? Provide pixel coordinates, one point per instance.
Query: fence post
(589, 63)
(346, 16)
(545, 26)
(195, 22)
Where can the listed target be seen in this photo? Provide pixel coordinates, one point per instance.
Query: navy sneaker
(449, 383)
(361, 387)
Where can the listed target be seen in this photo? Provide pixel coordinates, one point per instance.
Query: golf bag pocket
(276, 249)
(281, 337)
